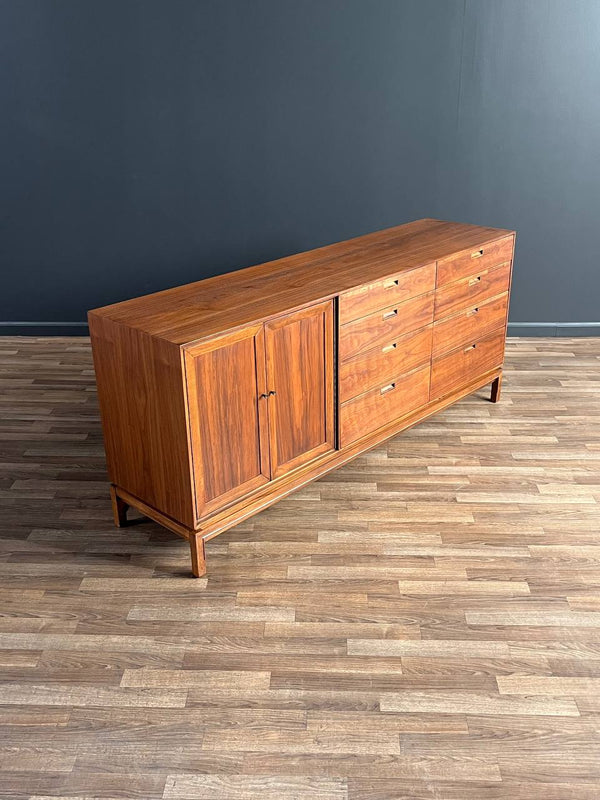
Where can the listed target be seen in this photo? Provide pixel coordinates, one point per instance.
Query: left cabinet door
(225, 379)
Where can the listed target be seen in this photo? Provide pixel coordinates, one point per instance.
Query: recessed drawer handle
(387, 388)
(389, 314)
(390, 284)
(477, 254)
(473, 281)
(471, 347)
(389, 347)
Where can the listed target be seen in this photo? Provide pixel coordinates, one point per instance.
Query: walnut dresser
(221, 397)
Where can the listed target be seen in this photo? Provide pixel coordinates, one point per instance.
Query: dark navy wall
(525, 149)
(147, 143)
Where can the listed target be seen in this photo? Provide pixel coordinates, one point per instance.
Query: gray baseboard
(514, 329)
(554, 328)
(44, 329)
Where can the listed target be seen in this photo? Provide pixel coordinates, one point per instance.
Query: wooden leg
(496, 389)
(119, 507)
(198, 555)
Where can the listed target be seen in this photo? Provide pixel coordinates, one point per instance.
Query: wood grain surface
(421, 623)
(300, 367)
(224, 378)
(382, 364)
(385, 326)
(196, 310)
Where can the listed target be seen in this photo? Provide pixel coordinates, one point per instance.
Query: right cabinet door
(299, 355)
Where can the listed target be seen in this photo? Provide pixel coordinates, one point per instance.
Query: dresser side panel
(144, 416)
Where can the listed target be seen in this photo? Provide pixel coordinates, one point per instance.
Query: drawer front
(376, 367)
(385, 326)
(464, 365)
(468, 326)
(365, 299)
(471, 262)
(370, 411)
(471, 292)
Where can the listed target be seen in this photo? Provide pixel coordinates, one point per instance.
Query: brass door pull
(387, 388)
(389, 347)
(389, 314)
(477, 254)
(391, 284)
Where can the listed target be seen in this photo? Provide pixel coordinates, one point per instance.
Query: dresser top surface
(196, 310)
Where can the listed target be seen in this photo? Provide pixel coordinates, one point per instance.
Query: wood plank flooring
(423, 623)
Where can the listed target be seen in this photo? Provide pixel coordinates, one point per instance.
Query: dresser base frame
(281, 487)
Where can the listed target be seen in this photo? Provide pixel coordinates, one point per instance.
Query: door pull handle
(389, 314)
(477, 254)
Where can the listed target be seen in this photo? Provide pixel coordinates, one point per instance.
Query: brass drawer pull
(470, 347)
(391, 284)
(473, 311)
(272, 393)
(262, 396)
(473, 281)
(389, 347)
(477, 254)
(389, 314)
(387, 388)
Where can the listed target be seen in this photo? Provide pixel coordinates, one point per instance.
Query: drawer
(470, 292)
(383, 405)
(373, 296)
(385, 326)
(465, 364)
(373, 368)
(468, 326)
(471, 262)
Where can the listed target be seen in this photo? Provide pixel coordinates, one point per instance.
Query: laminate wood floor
(422, 623)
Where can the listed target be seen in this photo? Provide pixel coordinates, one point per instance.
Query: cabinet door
(299, 349)
(228, 425)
